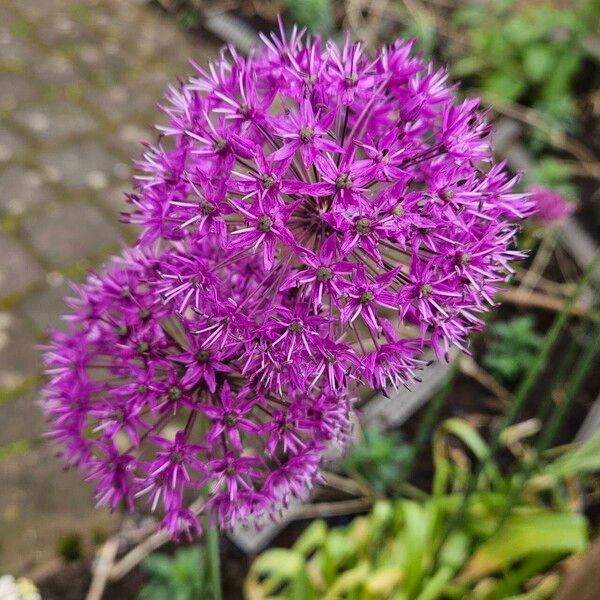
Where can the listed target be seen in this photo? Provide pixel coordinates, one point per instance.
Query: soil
(72, 581)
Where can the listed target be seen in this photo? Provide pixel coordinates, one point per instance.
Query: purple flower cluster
(550, 207)
(312, 218)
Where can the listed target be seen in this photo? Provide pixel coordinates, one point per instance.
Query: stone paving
(79, 81)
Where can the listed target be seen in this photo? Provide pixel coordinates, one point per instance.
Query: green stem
(214, 567)
(561, 376)
(582, 368)
(538, 365)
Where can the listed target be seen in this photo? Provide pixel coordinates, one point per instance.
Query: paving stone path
(79, 82)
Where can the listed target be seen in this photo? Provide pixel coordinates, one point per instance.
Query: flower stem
(214, 566)
(580, 372)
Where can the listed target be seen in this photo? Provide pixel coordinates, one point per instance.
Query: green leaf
(417, 530)
(585, 458)
(467, 65)
(378, 458)
(538, 61)
(383, 581)
(313, 14)
(554, 174)
(279, 566)
(158, 565)
(525, 535)
(514, 579)
(520, 31)
(504, 86)
(563, 70)
(468, 435)
(177, 577)
(513, 350)
(349, 580)
(314, 536)
(301, 587)
(543, 590)
(154, 591)
(452, 556)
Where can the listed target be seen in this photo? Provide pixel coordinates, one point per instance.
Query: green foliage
(391, 552)
(182, 576)
(421, 27)
(554, 174)
(379, 458)
(189, 18)
(313, 14)
(530, 54)
(514, 348)
(70, 548)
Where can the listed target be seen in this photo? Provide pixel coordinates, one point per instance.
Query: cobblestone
(18, 268)
(14, 89)
(87, 164)
(114, 199)
(63, 233)
(18, 356)
(22, 188)
(11, 143)
(55, 121)
(26, 418)
(79, 84)
(124, 101)
(16, 54)
(41, 504)
(45, 308)
(55, 70)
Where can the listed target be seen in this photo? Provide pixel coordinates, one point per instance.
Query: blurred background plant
(378, 459)
(316, 15)
(405, 549)
(552, 173)
(513, 349)
(12, 588)
(182, 576)
(520, 52)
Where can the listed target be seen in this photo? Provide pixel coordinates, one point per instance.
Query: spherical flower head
(550, 206)
(313, 219)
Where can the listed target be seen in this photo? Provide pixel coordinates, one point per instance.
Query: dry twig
(349, 485)
(540, 262)
(557, 138)
(527, 298)
(331, 509)
(135, 556)
(105, 561)
(469, 367)
(554, 288)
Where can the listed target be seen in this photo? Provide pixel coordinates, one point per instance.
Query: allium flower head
(550, 206)
(312, 219)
